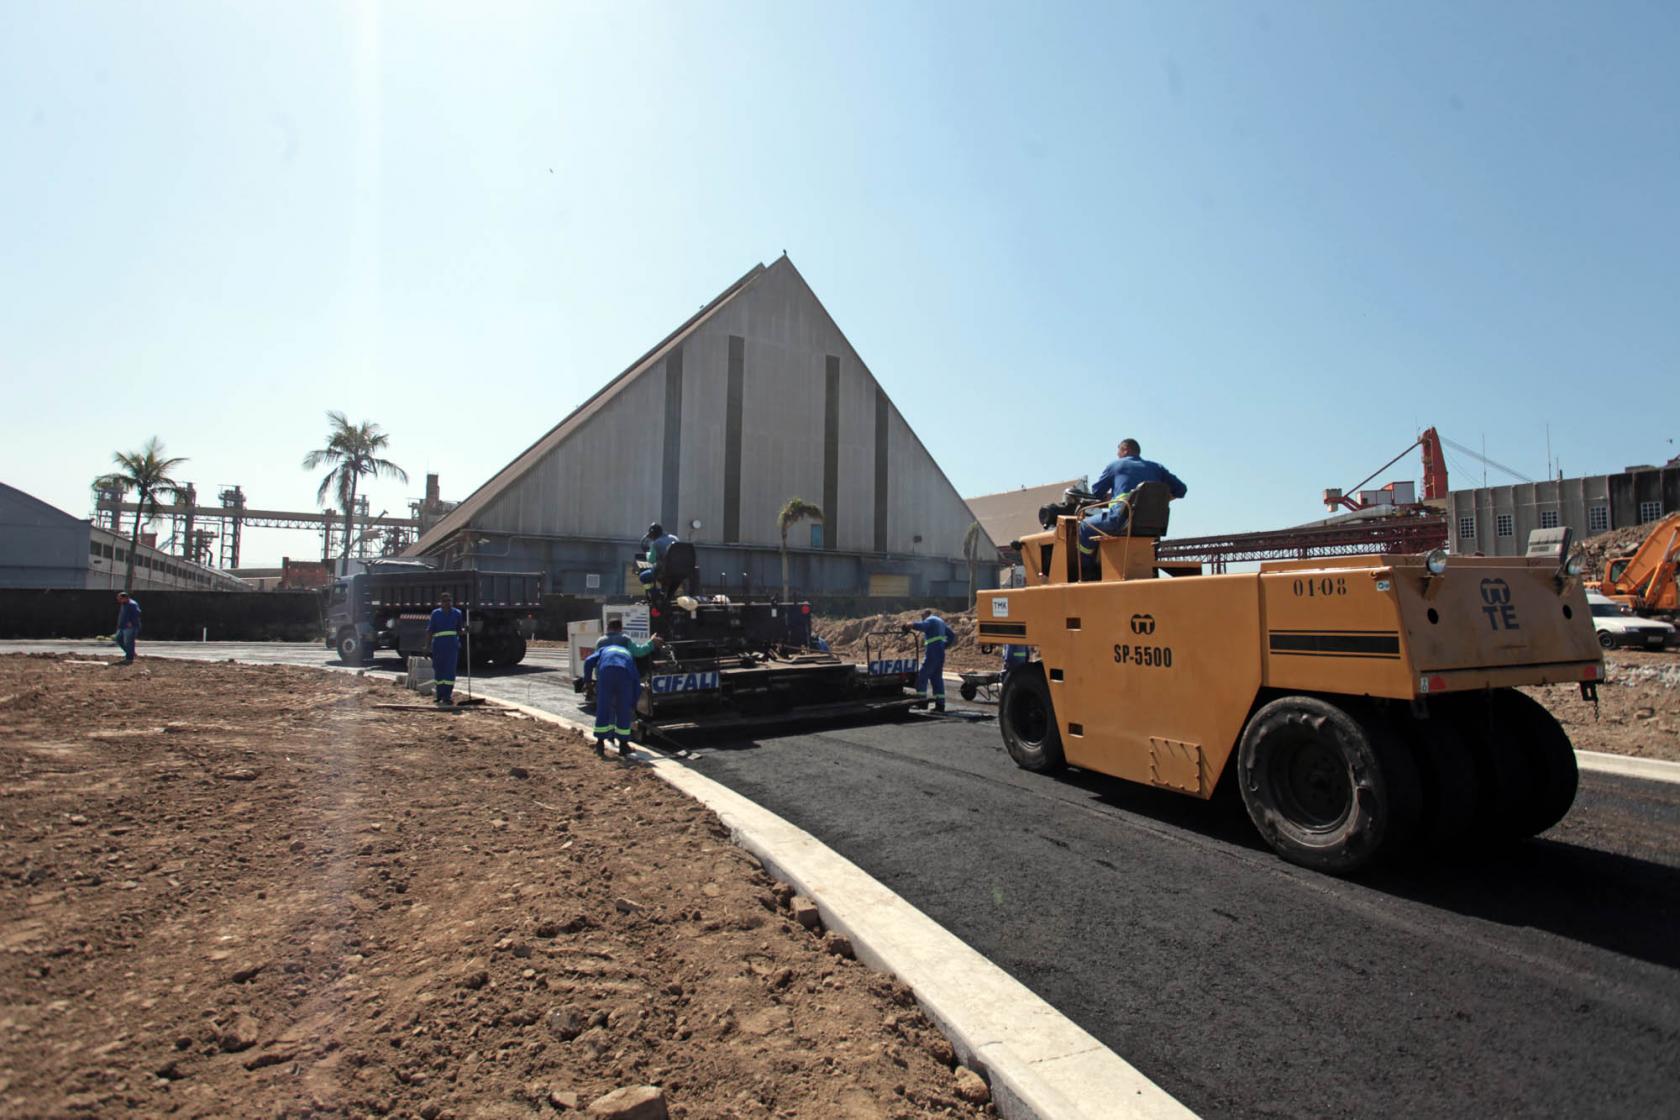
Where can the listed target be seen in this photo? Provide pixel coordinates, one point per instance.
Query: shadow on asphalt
(1614, 902)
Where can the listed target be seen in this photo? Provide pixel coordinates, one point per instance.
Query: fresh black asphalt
(1542, 980)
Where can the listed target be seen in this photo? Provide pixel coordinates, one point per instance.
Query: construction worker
(128, 625)
(659, 542)
(615, 694)
(444, 631)
(1116, 482)
(1014, 657)
(615, 636)
(936, 636)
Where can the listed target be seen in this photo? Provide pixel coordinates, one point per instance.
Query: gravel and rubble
(239, 891)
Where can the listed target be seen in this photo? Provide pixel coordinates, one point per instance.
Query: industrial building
(756, 399)
(41, 546)
(1496, 520)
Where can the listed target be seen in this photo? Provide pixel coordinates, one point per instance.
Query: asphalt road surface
(1543, 980)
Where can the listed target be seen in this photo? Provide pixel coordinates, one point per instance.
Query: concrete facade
(757, 399)
(41, 546)
(1496, 520)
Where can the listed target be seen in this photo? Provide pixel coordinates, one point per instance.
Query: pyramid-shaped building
(755, 399)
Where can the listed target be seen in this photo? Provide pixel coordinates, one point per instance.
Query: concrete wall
(1588, 505)
(763, 402)
(292, 616)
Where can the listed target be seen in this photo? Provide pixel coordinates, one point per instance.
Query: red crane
(1434, 475)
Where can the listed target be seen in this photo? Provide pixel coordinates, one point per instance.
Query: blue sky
(1270, 241)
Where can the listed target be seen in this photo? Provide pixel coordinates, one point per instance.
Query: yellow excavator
(1643, 580)
(1363, 705)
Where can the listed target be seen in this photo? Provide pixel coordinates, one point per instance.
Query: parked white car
(1618, 626)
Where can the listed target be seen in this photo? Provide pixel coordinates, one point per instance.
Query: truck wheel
(1028, 721)
(1545, 749)
(512, 653)
(1607, 639)
(968, 691)
(1316, 785)
(351, 649)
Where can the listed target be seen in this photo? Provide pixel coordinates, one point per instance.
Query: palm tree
(971, 549)
(146, 472)
(353, 451)
(796, 510)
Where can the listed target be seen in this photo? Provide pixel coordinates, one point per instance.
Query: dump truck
(1361, 705)
(390, 606)
(1643, 579)
(728, 664)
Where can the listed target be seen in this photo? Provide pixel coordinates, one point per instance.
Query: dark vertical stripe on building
(732, 439)
(880, 470)
(672, 474)
(831, 454)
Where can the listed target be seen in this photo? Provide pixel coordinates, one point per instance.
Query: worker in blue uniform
(1014, 657)
(615, 636)
(444, 630)
(615, 695)
(128, 625)
(1117, 482)
(659, 542)
(936, 638)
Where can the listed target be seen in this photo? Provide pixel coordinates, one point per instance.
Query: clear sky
(1271, 241)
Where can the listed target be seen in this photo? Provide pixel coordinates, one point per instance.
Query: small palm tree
(146, 472)
(971, 549)
(796, 510)
(353, 450)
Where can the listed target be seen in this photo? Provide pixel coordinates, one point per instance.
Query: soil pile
(845, 637)
(228, 890)
(1638, 711)
(1614, 543)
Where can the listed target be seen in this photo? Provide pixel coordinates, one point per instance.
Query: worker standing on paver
(936, 637)
(128, 625)
(1116, 482)
(444, 631)
(659, 542)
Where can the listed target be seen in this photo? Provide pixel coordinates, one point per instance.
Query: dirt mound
(1599, 548)
(845, 636)
(239, 891)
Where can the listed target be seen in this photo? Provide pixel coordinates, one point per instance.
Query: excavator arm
(1647, 574)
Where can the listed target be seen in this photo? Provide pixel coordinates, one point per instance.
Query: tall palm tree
(353, 451)
(796, 510)
(146, 472)
(971, 549)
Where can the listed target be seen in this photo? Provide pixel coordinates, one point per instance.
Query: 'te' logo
(1143, 624)
(1496, 597)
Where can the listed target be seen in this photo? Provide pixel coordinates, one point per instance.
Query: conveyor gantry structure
(1396, 534)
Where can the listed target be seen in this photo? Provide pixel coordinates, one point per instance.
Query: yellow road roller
(1364, 705)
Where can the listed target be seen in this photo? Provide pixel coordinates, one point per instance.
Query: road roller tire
(1447, 780)
(1028, 721)
(1326, 790)
(1505, 780)
(1543, 745)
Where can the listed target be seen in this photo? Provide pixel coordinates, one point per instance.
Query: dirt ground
(239, 891)
(1638, 706)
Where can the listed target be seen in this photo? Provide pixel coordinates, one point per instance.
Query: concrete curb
(1040, 1065)
(1627, 766)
